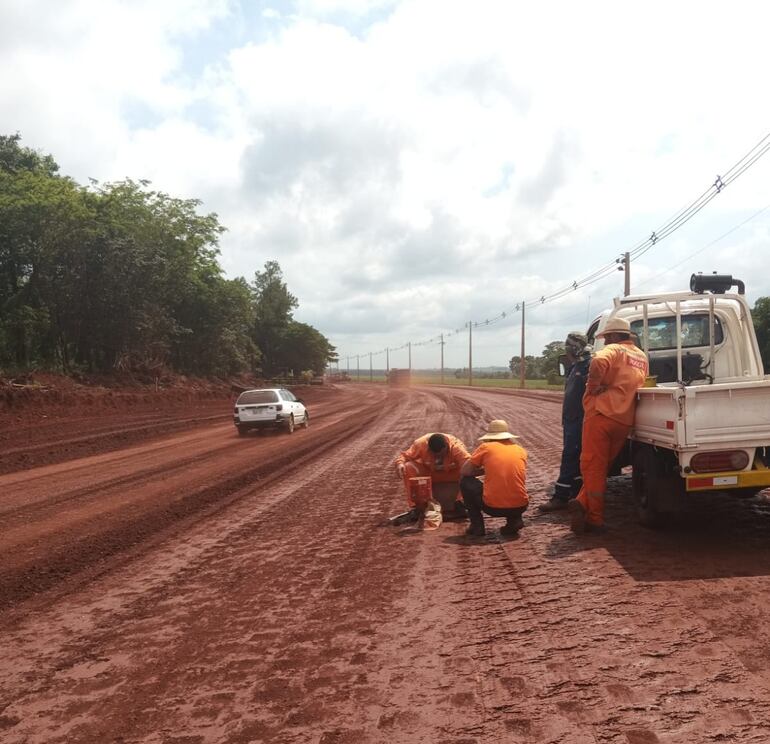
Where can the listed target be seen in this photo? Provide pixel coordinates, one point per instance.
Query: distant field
(418, 379)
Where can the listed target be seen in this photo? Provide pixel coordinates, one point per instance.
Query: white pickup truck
(704, 423)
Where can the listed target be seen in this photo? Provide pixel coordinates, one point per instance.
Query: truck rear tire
(657, 486)
(645, 482)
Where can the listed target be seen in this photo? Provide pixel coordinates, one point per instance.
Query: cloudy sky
(417, 165)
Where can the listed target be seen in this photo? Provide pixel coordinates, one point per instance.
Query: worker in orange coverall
(503, 493)
(617, 371)
(439, 456)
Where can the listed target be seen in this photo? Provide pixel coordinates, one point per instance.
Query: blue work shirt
(574, 387)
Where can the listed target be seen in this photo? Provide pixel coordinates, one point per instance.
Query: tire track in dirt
(50, 545)
(624, 672)
(319, 573)
(291, 616)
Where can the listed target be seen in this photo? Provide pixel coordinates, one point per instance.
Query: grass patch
(482, 382)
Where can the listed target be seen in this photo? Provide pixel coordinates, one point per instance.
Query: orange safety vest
(621, 370)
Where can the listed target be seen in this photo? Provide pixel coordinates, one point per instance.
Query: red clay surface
(167, 582)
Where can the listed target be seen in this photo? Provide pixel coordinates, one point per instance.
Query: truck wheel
(242, 431)
(290, 425)
(645, 484)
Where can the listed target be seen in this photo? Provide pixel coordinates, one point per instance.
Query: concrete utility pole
(442, 358)
(409, 344)
(347, 361)
(470, 353)
(358, 369)
(387, 360)
(523, 365)
(371, 376)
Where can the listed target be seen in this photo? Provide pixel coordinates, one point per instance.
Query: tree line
(118, 276)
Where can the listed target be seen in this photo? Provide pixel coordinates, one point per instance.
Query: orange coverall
(616, 373)
(418, 460)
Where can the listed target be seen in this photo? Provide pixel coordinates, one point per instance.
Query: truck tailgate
(710, 416)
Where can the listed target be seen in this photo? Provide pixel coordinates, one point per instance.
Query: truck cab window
(695, 331)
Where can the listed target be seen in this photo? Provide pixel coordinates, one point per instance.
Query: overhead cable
(670, 226)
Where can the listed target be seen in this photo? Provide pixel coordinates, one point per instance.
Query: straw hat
(615, 325)
(497, 429)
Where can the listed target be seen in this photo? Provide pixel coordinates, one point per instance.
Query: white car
(269, 407)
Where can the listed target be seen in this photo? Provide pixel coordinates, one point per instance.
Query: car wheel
(306, 422)
(290, 425)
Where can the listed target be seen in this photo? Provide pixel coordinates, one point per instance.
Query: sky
(417, 165)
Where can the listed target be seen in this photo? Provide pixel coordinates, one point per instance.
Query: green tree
(549, 367)
(273, 307)
(302, 347)
(532, 367)
(42, 217)
(118, 276)
(761, 317)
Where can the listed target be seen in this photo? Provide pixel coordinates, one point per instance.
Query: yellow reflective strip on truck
(759, 477)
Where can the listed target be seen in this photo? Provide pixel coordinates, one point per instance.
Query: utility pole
(442, 358)
(347, 361)
(523, 365)
(470, 353)
(409, 344)
(371, 376)
(625, 267)
(387, 360)
(358, 369)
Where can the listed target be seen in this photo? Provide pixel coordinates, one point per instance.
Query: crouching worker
(503, 493)
(439, 456)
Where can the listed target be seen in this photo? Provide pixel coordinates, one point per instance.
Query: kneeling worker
(503, 493)
(440, 456)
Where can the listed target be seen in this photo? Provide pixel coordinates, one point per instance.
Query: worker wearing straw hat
(503, 493)
(616, 372)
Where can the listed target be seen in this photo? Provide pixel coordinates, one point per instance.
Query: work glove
(400, 470)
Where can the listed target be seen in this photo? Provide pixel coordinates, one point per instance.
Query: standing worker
(569, 482)
(503, 463)
(439, 456)
(615, 374)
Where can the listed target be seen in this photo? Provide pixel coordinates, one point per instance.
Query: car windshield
(258, 396)
(695, 331)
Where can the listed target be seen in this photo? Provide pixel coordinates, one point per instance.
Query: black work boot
(476, 527)
(577, 515)
(553, 504)
(512, 526)
(406, 518)
(459, 513)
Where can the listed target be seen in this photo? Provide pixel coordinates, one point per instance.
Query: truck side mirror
(563, 364)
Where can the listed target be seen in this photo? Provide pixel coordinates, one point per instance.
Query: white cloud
(414, 164)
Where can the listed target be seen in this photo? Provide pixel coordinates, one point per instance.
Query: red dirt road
(201, 588)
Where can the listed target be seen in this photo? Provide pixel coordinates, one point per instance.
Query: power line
(708, 245)
(670, 226)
